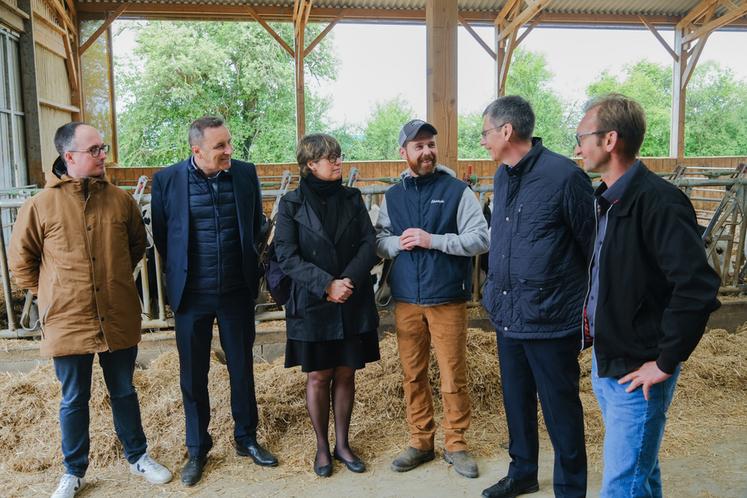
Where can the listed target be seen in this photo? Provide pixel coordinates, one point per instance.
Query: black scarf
(325, 199)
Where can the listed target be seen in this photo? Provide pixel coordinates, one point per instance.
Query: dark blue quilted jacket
(214, 240)
(541, 230)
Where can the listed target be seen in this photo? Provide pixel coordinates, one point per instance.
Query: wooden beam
(526, 32)
(112, 98)
(60, 11)
(14, 9)
(299, 32)
(321, 36)
(72, 72)
(104, 26)
(51, 25)
(442, 26)
(679, 93)
(658, 36)
(252, 12)
(508, 53)
(696, 12)
(477, 37)
(29, 95)
(693, 59)
(506, 10)
(59, 107)
(523, 17)
(722, 20)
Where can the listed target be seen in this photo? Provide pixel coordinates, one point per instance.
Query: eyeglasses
(95, 150)
(579, 136)
(333, 158)
(484, 133)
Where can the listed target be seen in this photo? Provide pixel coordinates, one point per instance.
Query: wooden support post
(511, 18)
(104, 26)
(30, 97)
(112, 98)
(321, 35)
(271, 31)
(696, 26)
(301, 11)
(677, 133)
(441, 21)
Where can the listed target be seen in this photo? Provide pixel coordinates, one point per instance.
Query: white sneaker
(69, 486)
(152, 471)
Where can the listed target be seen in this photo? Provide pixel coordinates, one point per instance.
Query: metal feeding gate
(718, 195)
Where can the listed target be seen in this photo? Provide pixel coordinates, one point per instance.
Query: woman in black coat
(326, 244)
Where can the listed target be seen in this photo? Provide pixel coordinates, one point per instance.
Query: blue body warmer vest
(428, 276)
(214, 239)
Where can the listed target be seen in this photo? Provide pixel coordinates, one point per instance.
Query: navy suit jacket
(170, 222)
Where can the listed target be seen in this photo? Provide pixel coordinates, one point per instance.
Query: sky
(377, 63)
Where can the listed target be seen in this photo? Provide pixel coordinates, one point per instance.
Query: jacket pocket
(646, 325)
(540, 301)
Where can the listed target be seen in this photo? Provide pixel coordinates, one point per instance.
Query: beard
(418, 167)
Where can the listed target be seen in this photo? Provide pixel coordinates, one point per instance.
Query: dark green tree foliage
(381, 133)
(651, 85)
(715, 112)
(234, 70)
(529, 77)
(468, 137)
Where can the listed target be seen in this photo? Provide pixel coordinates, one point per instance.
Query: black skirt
(353, 351)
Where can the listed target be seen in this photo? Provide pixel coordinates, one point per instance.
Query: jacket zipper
(518, 218)
(588, 274)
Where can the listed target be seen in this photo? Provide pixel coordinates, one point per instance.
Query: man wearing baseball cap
(431, 226)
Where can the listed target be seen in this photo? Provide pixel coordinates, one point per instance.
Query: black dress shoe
(257, 453)
(509, 488)
(192, 470)
(323, 470)
(355, 465)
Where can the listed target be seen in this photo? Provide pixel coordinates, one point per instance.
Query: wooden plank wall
(10, 15)
(51, 79)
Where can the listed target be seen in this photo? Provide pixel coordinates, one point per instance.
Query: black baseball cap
(411, 129)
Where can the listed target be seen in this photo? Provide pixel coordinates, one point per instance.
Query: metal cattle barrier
(719, 195)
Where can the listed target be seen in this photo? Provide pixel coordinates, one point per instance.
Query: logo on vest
(437, 201)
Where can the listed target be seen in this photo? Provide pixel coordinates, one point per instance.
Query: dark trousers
(548, 368)
(74, 373)
(194, 333)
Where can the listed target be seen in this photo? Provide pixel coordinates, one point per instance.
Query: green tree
(716, 113)
(381, 132)
(651, 85)
(468, 137)
(529, 77)
(715, 110)
(235, 70)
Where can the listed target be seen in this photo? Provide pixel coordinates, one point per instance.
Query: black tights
(340, 382)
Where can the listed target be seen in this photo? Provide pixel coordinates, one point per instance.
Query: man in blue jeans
(650, 294)
(75, 245)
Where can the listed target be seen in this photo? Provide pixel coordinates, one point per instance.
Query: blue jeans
(634, 428)
(74, 372)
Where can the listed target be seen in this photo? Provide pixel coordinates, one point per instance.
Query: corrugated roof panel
(590, 7)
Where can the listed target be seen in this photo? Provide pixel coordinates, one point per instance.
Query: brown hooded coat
(75, 245)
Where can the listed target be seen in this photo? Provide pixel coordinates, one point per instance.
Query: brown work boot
(463, 463)
(411, 458)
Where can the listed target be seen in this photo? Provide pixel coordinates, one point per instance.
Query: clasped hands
(339, 290)
(414, 237)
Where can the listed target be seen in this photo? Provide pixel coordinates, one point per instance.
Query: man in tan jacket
(75, 245)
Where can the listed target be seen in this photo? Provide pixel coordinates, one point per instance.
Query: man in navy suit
(207, 213)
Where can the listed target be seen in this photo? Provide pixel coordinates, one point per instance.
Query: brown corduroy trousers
(444, 326)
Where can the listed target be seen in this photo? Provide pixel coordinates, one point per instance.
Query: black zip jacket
(656, 289)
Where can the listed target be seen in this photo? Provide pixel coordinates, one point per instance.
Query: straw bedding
(711, 401)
